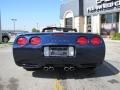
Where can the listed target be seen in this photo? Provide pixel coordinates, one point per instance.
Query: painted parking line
(58, 85)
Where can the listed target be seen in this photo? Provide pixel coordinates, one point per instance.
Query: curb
(5, 45)
(111, 40)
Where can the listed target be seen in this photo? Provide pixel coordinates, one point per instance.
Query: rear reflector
(35, 41)
(96, 40)
(71, 51)
(46, 51)
(22, 41)
(82, 40)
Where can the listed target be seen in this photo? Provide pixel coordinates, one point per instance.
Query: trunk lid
(58, 38)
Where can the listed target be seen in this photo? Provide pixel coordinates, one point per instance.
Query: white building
(96, 16)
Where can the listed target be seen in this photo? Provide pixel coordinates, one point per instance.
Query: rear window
(59, 30)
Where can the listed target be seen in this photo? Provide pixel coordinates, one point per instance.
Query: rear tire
(5, 39)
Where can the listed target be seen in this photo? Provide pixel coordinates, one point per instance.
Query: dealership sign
(104, 5)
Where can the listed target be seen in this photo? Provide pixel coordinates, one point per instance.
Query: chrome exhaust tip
(66, 68)
(72, 68)
(45, 68)
(51, 68)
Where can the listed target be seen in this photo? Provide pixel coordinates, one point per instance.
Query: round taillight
(22, 41)
(35, 41)
(96, 41)
(82, 40)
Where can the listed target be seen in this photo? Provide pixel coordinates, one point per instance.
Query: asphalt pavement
(105, 77)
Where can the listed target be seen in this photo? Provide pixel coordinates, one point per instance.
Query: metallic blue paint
(32, 55)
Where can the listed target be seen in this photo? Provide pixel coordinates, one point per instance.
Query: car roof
(66, 28)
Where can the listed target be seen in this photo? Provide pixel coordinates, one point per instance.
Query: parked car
(59, 47)
(5, 37)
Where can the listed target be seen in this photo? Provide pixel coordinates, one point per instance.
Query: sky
(29, 13)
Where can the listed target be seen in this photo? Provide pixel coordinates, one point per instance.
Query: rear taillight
(35, 41)
(82, 40)
(22, 41)
(96, 41)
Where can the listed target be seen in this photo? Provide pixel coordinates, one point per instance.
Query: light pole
(14, 20)
(0, 29)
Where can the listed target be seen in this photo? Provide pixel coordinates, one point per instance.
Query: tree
(35, 30)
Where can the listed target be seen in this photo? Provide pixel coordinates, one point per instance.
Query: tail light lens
(82, 40)
(35, 41)
(96, 40)
(22, 41)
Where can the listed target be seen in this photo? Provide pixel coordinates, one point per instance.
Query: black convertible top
(59, 28)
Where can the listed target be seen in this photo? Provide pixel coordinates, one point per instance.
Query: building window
(88, 23)
(110, 18)
(69, 22)
(103, 18)
(88, 19)
(117, 17)
(109, 23)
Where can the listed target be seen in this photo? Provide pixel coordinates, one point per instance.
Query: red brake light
(35, 41)
(96, 40)
(22, 41)
(82, 40)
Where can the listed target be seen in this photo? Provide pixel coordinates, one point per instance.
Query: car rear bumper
(34, 58)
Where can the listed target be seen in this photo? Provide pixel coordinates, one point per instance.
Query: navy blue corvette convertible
(58, 47)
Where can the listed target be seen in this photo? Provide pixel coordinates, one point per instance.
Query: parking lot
(105, 77)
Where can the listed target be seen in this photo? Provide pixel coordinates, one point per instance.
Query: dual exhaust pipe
(50, 68)
(69, 68)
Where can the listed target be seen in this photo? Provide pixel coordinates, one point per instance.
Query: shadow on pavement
(104, 70)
